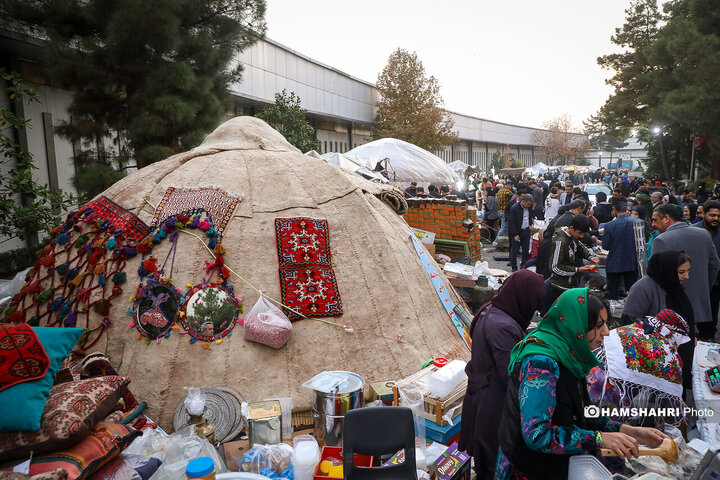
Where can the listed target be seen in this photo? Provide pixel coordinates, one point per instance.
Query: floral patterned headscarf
(561, 335)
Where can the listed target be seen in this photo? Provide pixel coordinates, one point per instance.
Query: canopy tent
(459, 167)
(406, 162)
(355, 165)
(392, 318)
(538, 169)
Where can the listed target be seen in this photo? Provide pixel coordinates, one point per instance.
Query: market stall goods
(142, 265)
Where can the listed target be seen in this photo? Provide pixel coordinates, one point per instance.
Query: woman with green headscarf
(545, 420)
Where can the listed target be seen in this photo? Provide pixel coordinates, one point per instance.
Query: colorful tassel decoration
(150, 264)
(211, 232)
(212, 243)
(64, 310)
(219, 249)
(99, 269)
(102, 281)
(130, 252)
(62, 239)
(72, 273)
(56, 304)
(119, 277)
(111, 244)
(78, 280)
(71, 319)
(204, 225)
(195, 222)
(34, 321)
(162, 233)
(45, 295)
(62, 269)
(16, 317)
(47, 261)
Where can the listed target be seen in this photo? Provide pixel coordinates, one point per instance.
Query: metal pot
(329, 409)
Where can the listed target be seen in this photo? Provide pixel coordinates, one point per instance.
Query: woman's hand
(621, 443)
(651, 437)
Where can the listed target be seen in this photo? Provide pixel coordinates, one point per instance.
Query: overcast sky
(516, 61)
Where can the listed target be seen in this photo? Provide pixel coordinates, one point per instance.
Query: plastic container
(446, 379)
(360, 460)
(202, 468)
(306, 456)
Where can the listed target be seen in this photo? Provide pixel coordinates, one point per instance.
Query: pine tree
(156, 71)
(411, 108)
(288, 117)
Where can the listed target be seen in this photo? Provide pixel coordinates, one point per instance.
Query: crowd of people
(661, 254)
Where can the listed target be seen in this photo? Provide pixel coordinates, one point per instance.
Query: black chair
(378, 431)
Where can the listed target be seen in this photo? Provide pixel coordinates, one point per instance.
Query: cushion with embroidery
(71, 412)
(102, 445)
(22, 356)
(59, 474)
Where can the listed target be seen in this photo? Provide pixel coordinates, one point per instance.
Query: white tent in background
(354, 164)
(539, 168)
(459, 167)
(406, 162)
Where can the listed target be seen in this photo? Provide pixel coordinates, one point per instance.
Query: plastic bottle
(202, 468)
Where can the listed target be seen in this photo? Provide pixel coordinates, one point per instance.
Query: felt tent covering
(383, 285)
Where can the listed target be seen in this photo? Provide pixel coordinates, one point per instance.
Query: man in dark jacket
(711, 223)
(520, 218)
(602, 209)
(619, 239)
(538, 205)
(566, 247)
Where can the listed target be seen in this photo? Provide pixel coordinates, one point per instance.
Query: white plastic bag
(267, 324)
(411, 396)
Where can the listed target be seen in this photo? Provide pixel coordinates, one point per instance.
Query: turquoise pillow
(23, 404)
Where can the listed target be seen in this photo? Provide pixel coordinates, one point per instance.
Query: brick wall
(444, 218)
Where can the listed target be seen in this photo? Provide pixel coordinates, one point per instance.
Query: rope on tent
(343, 325)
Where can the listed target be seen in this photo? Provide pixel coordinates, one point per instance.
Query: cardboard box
(452, 465)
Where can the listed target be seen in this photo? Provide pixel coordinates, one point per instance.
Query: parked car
(593, 188)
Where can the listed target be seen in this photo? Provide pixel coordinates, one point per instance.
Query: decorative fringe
(45, 295)
(78, 280)
(62, 239)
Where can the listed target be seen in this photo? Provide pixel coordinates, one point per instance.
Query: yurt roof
(395, 320)
(406, 162)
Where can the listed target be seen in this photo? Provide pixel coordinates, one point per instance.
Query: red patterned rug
(307, 280)
(216, 203)
(22, 356)
(121, 219)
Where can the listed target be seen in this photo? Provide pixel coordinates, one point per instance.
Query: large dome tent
(392, 319)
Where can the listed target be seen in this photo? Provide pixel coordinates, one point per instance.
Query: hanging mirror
(156, 309)
(210, 312)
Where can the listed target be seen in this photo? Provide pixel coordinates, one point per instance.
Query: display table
(704, 398)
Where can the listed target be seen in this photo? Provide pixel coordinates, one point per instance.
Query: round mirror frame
(190, 329)
(150, 285)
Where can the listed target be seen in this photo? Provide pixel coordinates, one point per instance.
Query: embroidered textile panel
(307, 281)
(218, 204)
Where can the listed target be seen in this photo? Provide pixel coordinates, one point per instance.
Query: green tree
(601, 137)
(211, 305)
(502, 158)
(156, 71)
(26, 206)
(410, 107)
(667, 77)
(287, 116)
